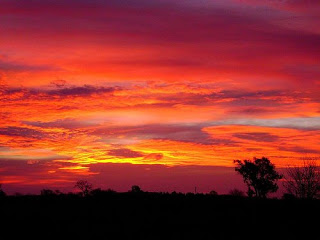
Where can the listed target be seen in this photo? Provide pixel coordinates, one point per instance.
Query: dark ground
(157, 216)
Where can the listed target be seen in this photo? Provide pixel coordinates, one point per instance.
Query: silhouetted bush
(98, 192)
(190, 194)
(236, 193)
(136, 189)
(49, 192)
(213, 193)
(2, 193)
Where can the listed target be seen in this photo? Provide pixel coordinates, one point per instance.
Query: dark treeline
(94, 213)
(146, 215)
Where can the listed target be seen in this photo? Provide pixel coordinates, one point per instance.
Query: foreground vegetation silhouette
(303, 181)
(259, 175)
(94, 213)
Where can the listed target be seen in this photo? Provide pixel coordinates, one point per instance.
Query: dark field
(157, 216)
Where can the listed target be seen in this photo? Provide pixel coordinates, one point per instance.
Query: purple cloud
(175, 132)
(125, 153)
(59, 83)
(61, 123)
(257, 136)
(83, 91)
(23, 132)
(298, 149)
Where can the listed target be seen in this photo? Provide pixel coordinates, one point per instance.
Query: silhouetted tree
(304, 181)
(2, 193)
(236, 193)
(259, 175)
(135, 189)
(84, 186)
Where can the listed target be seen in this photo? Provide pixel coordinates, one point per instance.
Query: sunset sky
(164, 94)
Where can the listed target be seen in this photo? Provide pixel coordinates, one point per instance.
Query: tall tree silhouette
(259, 175)
(304, 181)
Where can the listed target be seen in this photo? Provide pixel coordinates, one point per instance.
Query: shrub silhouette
(49, 192)
(46, 192)
(213, 193)
(98, 192)
(236, 193)
(136, 189)
(2, 193)
(259, 175)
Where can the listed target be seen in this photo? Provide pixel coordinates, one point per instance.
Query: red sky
(164, 94)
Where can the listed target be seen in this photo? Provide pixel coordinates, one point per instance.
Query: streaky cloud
(304, 123)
